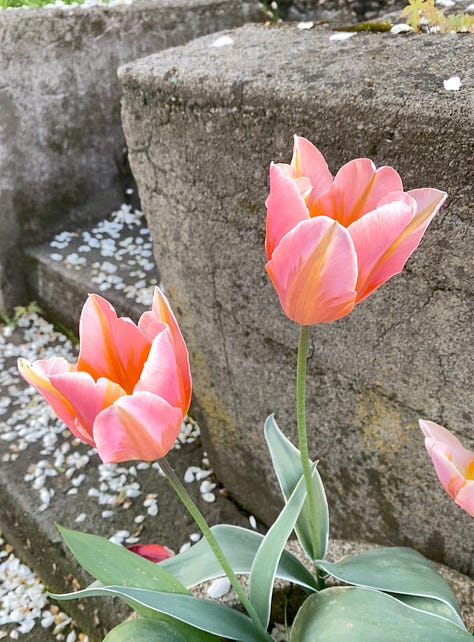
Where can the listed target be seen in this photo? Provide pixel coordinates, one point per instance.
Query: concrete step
(113, 258)
(47, 475)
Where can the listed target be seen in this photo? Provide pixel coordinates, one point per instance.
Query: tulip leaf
(397, 570)
(113, 564)
(358, 614)
(265, 564)
(146, 630)
(286, 460)
(204, 615)
(199, 564)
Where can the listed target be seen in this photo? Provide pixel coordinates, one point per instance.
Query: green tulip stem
(301, 423)
(198, 517)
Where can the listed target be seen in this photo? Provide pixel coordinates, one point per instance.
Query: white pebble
(219, 587)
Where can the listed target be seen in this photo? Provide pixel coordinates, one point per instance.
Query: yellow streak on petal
(42, 383)
(307, 291)
(470, 471)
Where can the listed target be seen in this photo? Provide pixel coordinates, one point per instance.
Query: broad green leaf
(394, 570)
(364, 615)
(146, 630)
(113, 564)
(240, 546)
(286, 460)
(430, 605)
(201, 614)
(265, 564)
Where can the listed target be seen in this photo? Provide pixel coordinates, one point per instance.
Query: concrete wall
(62, 152)
(202, 125)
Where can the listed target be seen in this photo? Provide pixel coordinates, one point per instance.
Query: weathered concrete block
(202, 125)
(62, 152)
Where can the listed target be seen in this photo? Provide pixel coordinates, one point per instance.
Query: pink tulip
(153, 552)
(453, 463)
(332, 242)
(131, 387)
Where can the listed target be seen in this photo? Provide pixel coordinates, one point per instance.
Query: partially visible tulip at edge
(130, 389)
(453, 463)
(331, 242)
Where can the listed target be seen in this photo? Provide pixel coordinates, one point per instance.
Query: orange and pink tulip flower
(331, 242)
(130, 389)
(453, 463)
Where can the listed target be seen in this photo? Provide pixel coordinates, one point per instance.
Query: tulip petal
(462, 458)
(142, 426)
(111, 347)
(385, 224)
(161, 375)
(314, 271)
(153, 552)
(465, 498)
(38, 375)
(357, 189)
(308, 161)
(87, 398)
(372, 235)
(449, 475)
(151, 324)
(285, 208)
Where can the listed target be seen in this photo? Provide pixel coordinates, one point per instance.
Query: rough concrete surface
(62, 152)
(202, 125)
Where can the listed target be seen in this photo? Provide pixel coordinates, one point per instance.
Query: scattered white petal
(185, 547)
(470, 8)
(445, 3)
(219, 587)
(305, 25)
(253, 522)
(401, 28)
(209, 497)
(342, 35)
(81, 518)
(452, 84)
(223, 41)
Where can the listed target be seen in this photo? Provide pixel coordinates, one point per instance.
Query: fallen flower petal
(153, 552)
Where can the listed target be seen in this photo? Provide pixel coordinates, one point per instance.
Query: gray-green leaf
(364, 615)
(286, 460)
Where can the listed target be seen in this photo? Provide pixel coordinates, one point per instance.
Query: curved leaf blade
(201, 614)
(262, 574)
(146, 630)
(240, 545)
(286, 460)
(394, 570)
(113, 564)
(358, 615)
